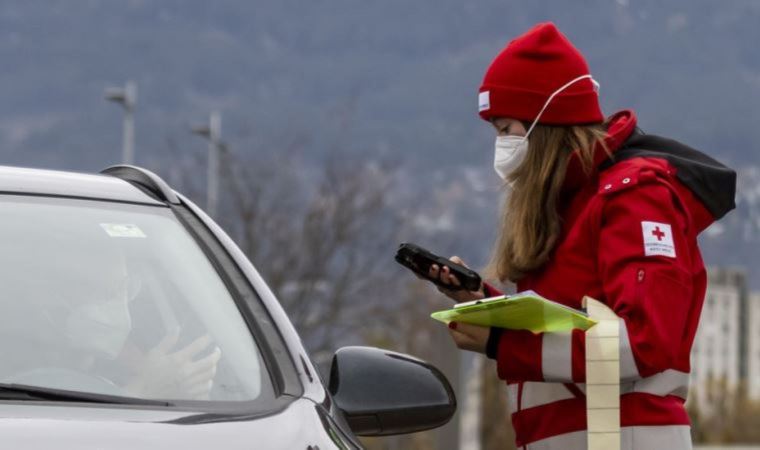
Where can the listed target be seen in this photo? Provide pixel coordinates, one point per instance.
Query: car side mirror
(382, 392)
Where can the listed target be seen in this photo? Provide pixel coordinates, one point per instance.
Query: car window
(118, 299)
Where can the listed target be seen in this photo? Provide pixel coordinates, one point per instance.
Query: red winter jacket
(629, 239)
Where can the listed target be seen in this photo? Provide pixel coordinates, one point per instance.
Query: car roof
(17, 180)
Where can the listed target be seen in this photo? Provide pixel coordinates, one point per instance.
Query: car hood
(34, 426)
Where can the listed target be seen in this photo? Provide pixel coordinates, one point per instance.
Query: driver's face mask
(510, 150)
(103, 325)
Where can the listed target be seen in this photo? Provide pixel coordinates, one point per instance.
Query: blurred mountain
(391, 79)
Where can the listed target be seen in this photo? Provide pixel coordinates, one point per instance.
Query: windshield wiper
(13, 391)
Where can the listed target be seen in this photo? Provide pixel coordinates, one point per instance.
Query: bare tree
(730, 416)
(316, 233)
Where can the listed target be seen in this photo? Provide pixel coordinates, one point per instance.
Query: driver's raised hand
(169, 373)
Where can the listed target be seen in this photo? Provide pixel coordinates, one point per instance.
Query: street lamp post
(127, 98)
(212, 132)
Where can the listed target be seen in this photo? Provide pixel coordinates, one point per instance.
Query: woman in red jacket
(593, 207)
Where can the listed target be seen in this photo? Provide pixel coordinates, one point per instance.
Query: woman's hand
(448, 278)
(469, 337)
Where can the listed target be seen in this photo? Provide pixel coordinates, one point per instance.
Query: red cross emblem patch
(658, 239)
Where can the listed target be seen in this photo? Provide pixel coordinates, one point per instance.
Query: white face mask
(102, 327)
(509, 153)
(510, 150)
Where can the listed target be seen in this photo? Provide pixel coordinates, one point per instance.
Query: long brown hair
(530, 220)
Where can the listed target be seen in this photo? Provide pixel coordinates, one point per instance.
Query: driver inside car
(81, 291)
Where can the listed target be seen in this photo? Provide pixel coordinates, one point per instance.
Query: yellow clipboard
(523, 311)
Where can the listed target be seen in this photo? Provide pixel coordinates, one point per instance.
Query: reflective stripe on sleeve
(668, 382)
(556, 356)
(538, 394)
(512, 392)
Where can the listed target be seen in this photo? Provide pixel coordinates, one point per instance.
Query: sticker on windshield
(125, 230)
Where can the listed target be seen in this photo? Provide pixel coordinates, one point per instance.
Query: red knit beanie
(521, 78)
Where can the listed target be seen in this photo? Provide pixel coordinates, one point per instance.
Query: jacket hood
(712, 183)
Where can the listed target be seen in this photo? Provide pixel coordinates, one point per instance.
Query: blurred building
(753, 345)
(726, 350)
(716, 350)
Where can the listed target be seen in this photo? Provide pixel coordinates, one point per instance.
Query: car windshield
(118, 299)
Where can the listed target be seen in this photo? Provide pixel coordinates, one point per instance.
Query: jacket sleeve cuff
(518, 356)
(492, 345)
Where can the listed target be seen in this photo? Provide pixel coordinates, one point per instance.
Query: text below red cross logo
(658, 233)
